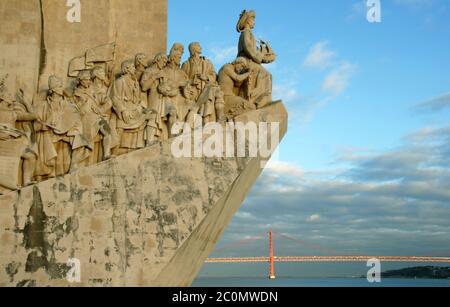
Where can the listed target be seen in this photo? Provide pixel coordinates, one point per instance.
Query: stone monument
(99, 182)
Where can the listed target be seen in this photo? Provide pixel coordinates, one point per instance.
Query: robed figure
(61, 145)
(17, 151)
(258, 89)
(132, 111)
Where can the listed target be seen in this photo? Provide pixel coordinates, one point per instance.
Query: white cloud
(338, 79)
(314, 218)
(284, 168)
(337, 75)
(285, 92)
(245, 215)
(384, 203)
(319, 57)
(221, 56)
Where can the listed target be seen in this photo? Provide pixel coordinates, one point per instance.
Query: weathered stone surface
(142, 219)
(135, 26)
(20, 43)
(37, 40)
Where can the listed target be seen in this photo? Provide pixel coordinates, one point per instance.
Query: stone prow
(142, 219)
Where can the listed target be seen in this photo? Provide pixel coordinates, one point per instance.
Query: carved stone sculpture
(94, 115)
(17, 153)
(199, 70)
(140, 62)
(231, 78)
(61, 144)
(258, 88)
(101, 86)
(204, 87)
(174, 81)
(132, 111)
(164, 111)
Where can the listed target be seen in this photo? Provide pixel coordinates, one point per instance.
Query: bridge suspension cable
(238, 244)
(317, 247)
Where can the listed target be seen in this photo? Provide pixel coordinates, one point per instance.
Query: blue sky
(364, 168)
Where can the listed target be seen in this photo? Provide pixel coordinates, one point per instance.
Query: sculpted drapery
(104, 114)
(61, 144)
(131, 110)
(258, 87)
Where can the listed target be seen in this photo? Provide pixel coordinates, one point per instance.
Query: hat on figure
(245, 15)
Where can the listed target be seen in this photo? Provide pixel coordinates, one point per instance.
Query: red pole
(272, 260)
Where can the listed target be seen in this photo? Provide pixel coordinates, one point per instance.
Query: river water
(317, 282)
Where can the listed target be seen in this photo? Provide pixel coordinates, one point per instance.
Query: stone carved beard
(102, 82)
(56, 92)
(175, 59)
(129, 71)
(132, 75)
(161, 63)
(141, 64)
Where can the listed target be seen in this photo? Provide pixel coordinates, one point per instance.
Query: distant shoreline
(425, 272)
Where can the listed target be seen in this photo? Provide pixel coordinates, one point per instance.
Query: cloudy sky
(365, 167)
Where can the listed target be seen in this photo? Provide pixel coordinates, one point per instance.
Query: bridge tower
(272, 259)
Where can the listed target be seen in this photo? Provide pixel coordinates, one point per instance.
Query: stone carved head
(195, 49)
(128, 68)
(240, 65)
(160, 60)
(176, 53)
(140, 60)
(246, 20)
(85, 78)
(98, 72)
(55, 85)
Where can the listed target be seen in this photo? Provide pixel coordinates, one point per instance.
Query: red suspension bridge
(271, 259)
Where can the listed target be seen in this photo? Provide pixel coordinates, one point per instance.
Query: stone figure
(258, 88)
(203, 84)
(140, 63)
(17, 151)
(174, 82)
(231, 78)
(59, 130)
(101, 86)
(199, 70)
(105, 116)
(94, 115)
(132, 111)
(164, 111)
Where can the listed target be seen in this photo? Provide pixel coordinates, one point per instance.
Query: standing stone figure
(131, 109)
(96, 127)
(16, 147)
(231, 78)
(164, 111)
(258, 89)
(61, 144)
(199, 70)
(140, 62)
(101, 86)
(174, 82)
(203, 83)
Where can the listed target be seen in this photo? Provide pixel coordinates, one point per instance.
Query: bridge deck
(330, 259)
